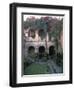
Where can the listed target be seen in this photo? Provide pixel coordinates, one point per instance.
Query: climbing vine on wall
(53, 26)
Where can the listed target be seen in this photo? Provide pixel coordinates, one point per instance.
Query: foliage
(55, 32)
(35, 24)
(57, 28)
(59, 60)
(44, 24)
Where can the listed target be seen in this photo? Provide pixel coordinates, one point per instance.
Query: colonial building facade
(33, 41)
(38, 40)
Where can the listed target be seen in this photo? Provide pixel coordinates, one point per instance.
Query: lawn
(36, 69)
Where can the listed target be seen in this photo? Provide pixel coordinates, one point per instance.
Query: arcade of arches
(41, 50)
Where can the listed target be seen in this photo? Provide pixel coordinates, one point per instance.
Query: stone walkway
(54, 68)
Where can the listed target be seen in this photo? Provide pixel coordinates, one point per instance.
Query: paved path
(53, 66)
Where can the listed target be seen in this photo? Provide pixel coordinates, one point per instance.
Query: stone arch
(51, 50)
(41, 49)
(42, 33)
(31, 33)
(31, 49)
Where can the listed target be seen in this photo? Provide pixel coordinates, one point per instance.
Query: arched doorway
(51, 50)
(41, 52)
(41, 49)
(31, 50)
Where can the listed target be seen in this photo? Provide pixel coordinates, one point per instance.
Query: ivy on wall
(48, 24)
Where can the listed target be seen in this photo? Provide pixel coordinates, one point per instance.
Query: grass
(32, 68)
(36, 69)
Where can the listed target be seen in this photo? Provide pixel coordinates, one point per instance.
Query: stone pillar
(47, 37)
(36, 33)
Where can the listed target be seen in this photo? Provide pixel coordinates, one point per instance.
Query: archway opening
(42, 34)
(41, 49)
(51, 50)
(31, 50)
(41, 52)
(31, 33)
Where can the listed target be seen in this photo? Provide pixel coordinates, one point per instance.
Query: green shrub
(59, 60)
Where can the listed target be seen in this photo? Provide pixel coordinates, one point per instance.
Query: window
(31, 33)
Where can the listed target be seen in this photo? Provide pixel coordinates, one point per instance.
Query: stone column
(47, 37)
(36, 33)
